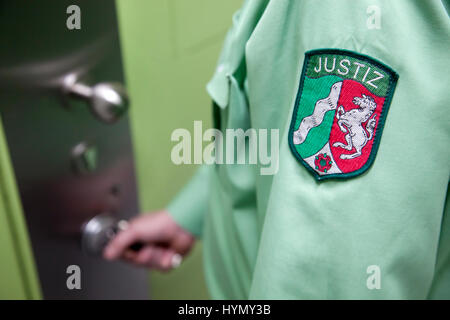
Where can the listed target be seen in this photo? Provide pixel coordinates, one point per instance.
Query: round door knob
(98, 231)
(107, 101)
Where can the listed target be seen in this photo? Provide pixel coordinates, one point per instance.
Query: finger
(129, 255)
(182, 244)
(144, 256)
(149, 256)
(159, 227)
(120, 243)
(155, 260)
(166, 260)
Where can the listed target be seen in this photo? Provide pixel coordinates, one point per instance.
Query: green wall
(170, 48)
(18, 274)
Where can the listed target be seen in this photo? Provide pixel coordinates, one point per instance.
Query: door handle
(108, 101)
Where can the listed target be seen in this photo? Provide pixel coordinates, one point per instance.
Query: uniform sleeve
(232, 57)
(191, 204)
(381, 235)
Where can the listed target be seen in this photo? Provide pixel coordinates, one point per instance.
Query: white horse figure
(350, 122)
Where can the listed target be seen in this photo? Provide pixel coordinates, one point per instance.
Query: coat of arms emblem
(340, 110)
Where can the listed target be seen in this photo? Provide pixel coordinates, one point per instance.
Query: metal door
(71, 161)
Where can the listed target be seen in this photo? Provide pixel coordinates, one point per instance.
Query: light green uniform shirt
(289, 236)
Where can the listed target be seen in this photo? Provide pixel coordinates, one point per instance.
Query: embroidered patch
(340, 110)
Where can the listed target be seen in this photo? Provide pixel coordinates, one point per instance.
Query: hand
(164, 242)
